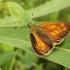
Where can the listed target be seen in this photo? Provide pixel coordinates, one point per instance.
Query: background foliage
(16, 52)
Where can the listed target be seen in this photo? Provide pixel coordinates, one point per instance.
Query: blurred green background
(23, 60)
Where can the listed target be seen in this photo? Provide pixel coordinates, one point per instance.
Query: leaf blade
(49, 7)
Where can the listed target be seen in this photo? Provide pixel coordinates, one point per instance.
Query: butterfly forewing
(57, 31)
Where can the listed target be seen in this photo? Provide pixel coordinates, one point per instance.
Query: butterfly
(46, 35)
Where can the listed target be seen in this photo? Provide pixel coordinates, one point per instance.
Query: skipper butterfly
(46, 35)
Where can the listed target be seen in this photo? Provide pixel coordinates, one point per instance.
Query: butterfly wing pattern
(56, 30)
(46, 35)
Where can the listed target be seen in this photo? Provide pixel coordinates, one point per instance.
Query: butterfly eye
(29, 25)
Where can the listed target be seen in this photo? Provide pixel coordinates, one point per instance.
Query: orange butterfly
(46, 35)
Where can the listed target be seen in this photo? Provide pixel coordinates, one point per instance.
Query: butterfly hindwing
(39, 46)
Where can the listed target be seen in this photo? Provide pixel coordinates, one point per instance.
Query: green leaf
(5, 57)
(39, 67)
(19, 37)
(1, 68)
(9, 22)
(6, 47)
(0, 1)
(18, 12)
(29, 62)
(49, 7)
(69, 17)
